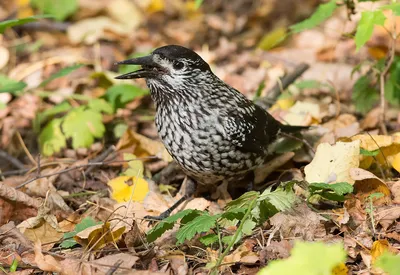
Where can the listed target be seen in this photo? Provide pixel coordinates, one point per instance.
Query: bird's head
(169, 66)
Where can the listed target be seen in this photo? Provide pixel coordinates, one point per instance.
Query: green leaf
(308, 259)
(389, 263)
(369, 153)
(248, 227)
(59, 9)
(100, 105)
(241, 202)
(16, 22)
(14, 265)
(312, 84)
(51, 139)
(199, 224)
(234, 214)
(121, 94)
(364, 96)
(323, 12)
(392, 85)
(85, 223)
(63, 72)
(281, 199)
(376, 195)
(335, 191)
(366, 26)
(209, 239)
(395, 8)
(169, 223)
(8, 85)
(83, 125)
(43, 116)
(198, 3)
(284, 145)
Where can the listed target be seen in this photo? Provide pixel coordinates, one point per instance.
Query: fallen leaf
(127, 188)
(98, 236)
(387, 215)
(142, 146)
(332, 163)
(366, 184)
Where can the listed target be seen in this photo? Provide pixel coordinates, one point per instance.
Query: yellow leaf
(378, 248)
(340, 269)
(396, 162)
(127, 188)
(273, 38)
(136, 166)
(98, 236)
(332, 163)
(24, 9)
(142, 146)
(283, 104)
(155, 6)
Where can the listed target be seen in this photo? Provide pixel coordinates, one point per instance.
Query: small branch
(281, 85)
(81, 166)
(100, 157)
(14, 161)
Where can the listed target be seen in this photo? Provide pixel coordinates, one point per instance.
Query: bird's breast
(195, 138)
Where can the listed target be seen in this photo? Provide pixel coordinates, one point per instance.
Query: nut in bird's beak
(149, 68)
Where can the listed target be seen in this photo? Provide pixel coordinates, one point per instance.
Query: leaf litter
(92, 164)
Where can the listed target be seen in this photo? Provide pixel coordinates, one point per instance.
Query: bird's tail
(292, 129)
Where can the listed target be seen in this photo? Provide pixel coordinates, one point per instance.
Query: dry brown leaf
(244, 253)
(300, 222)
(97, 236)
(366, 184)
(386, 215)
(46, 262)
(178, 264)
(4, 56)
(142, 146)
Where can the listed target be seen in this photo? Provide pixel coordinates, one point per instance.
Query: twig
(80, 166)
(113, 269)
(14, 172)
(383, 76)
(32, 159)
(12, 160)
(99, 158)
(281, 85)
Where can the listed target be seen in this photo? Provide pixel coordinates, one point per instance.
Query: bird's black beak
(149, 67)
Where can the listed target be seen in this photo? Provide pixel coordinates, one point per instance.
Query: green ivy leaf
(51, 139)
(83, 125)
(364, 96)
(199, 224)
(63, 72)
(366, 26)
(323, 12)
(169, 223)
(8, 85)
(100, 105)
(121, 94)
(389, 263)
(85, 223)
(16, 22)
(308, 259)
(59, 9)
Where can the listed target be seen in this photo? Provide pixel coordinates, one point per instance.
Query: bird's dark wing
(249, 127)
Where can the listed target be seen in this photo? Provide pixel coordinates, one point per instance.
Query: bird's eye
(178, 65)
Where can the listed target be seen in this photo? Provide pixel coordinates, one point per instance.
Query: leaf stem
(233, 241)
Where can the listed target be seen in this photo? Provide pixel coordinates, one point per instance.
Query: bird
(209, 128)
